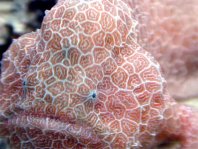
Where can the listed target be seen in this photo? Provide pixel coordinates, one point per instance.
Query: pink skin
(169, 30)
(82, 81)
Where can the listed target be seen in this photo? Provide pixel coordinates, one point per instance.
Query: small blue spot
(93, 95)
(24, 87)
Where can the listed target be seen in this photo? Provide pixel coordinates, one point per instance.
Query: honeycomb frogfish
(82, 81)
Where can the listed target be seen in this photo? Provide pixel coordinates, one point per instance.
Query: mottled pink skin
(169, 30)
(82, 81)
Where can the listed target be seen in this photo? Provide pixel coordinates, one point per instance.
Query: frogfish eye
(93, 95)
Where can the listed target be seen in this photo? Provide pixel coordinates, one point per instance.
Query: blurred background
(20, 16)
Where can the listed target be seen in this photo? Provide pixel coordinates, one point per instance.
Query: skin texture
(168, 29)
(82, 81)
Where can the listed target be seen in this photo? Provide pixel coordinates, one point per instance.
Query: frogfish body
(83, 81)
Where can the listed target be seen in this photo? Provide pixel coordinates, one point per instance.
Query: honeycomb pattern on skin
(82, 81)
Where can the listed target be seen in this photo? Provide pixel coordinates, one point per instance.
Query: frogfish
(83, 81)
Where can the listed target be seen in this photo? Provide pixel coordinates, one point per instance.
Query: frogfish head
(81, 81)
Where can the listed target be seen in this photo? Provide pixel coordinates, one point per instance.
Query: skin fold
(84, 81)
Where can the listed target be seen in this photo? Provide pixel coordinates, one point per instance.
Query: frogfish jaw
(43, 124)
(43, 128)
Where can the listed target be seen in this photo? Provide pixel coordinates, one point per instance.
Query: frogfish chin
(83, 81)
